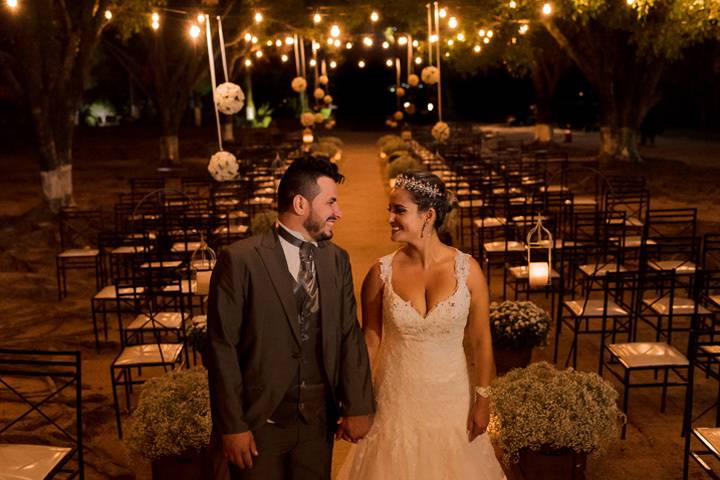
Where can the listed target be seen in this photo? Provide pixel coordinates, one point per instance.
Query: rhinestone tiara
(416, 186)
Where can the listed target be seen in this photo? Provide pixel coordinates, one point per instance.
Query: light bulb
(452, 22)
(333, 64)
(547, 9)
(248, 37)
(289, 40)
(313, 62)
(155, 17)
(201, 18)
(194, 31)
(461, 37)
(284, 58)
(477, 48)
(402, 41)
(430, 107)
(368, 41)
(418, 60)
(443, 13)
(259, 54)
(361, 64)
(348, 45)
(108, 15)
(278, 43)
(374, 17)
(385, 45)
(317, 18)
(258, 17)
(335, 31)
(389, 62)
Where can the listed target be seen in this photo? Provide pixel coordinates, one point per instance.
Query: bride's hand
(479, 418)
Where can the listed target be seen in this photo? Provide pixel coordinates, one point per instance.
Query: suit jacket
(253, 334)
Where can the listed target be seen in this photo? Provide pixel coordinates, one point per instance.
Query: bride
(418, 304)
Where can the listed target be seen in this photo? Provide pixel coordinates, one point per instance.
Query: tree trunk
(169, 149)
(57, 187)
(228, 132)
(197, 112)
(249, 103)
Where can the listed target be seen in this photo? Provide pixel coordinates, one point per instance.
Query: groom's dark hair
(300, 178)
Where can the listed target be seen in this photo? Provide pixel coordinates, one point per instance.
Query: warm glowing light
(415, 43)
(523, 29)
(269, 43)
(155, 25)
(289, 40)
(451, 42)
(248, 37)
(418, 60)
(630, 2)
(337, 43)
(254, 39)
(333, 64)
(313, 62)
(368, 42)
(155, 17)
(447, 54)
(490, 34)
(389, 62)
(406, 104)
(278, 43)
(374, 17)
(402, 41)
(361, 64)
(284, 58)
(259, 54)
(513, 40)
(433, 38)
(108, 15)
(481, 32)
(348, 45)
(194, 31)
(486, 40)
(258, 17)
(315, 46)
(334, 31)
(330, 41)
(477, 48)
(443, 13)
(461, 37)
(452, 22)
(431, 107)
(547, 9)
(513, 4)
(201, 18)
(248, 62)
(11, 3)
(317, 18)
(385, 45)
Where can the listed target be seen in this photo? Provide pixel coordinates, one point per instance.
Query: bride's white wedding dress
(423, 396)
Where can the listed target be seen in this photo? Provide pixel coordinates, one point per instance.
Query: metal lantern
(539, 271)
(202, 263)
(307, 136)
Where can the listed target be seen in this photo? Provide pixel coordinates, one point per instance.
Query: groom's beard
(314, 226)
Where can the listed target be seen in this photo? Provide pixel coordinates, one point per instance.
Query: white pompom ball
(319, 93)
(398, 115)
(229, 98)
(223, 166)
(413, 80)
(400, 92)
(323, 79)
(430, 75)
(328, 99)
(441, 131)
(307, 119)
(299, 84)
(319, 118)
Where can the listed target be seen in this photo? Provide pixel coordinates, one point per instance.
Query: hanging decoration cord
(429, 41)
(439, 83)
(303, 70)
(222, 48)
(398, 76)
(211, 61)
(409, 56)
(296, 50)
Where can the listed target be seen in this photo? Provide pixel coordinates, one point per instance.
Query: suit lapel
(273, 258)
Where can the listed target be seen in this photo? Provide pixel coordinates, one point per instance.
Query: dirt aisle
(363, 230)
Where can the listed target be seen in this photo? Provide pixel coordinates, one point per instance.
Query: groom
(288, 365)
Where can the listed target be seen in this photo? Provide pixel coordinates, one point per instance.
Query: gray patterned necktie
(307, 282)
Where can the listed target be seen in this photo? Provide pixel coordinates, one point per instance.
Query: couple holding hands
(291, 369)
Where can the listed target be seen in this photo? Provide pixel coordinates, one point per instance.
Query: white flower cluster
(517, 324)
(223, 166)
(542, 408)
(298, 84)
(440, 132)
(229, 98)
(430, 75)
(172, 416)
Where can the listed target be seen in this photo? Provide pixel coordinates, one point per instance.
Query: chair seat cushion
(470, 203)
(594, 308)
(31, 462)
(679, 266)
(500, 246)
(601, 269)
(79, 253)
(163, 264)
(681, 306)
(715, 299)
(188, 286)
(710, 436)
(235, 214)
(648, 354)
(634, 241)
(231, 230)
(128, 249)
(489, 222)
(110, 292)
(186, 247)
(148, 354)
(170, 320)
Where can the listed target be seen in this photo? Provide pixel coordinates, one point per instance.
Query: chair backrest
(44, 384)
(671, 222)
(79, 227)
(711, 251)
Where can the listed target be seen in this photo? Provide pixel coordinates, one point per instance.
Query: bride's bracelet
(483, 392)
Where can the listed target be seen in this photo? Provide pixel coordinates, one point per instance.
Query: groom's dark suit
(258, 364)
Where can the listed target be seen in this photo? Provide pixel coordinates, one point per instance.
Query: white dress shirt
(292, 253)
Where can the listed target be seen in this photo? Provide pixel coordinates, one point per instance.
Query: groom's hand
(239, 448)
(353, 429)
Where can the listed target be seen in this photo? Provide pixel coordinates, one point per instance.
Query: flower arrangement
(223, 166)
(197, 333)
(518, 324)
(541, 408)
(263, 221)
(441, 132)
(172, 416)
(402, 164)
(229, 98)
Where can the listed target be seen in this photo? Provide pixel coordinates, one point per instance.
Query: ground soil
(681, 172)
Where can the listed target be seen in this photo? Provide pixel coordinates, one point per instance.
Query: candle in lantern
(538, 274)
(203, 282)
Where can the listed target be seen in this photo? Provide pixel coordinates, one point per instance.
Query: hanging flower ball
(398, 115)
(223, 166)
(299, 84)
(391, 123)
(430, 75)
(406, 134)
(307, 119)
(229, 98)
(330, 123)
(400, 92)
(441, 132)
(413, 80)
(319, 93)
(323, 79)
(410, 109)
(319, 118)
(327, 100)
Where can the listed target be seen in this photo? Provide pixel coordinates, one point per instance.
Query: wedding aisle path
(363, 230)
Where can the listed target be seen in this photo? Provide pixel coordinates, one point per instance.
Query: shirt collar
(295, 234)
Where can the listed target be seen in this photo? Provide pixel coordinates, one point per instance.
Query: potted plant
(171, 425)
(197, 337)
(517, 327)
(549, 420)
